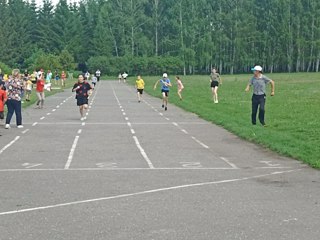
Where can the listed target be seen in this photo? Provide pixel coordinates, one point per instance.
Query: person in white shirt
(98, 74)
(124, 76)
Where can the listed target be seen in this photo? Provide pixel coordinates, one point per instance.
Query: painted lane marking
(136, 169)
(143, 153)
(132, 131)
(53, 110)
(79, 131)
(184, 131)
(9, 144)
(199, 142)
(25, 131)
(42, 118)
(34, 124)
(73, 148)
(158, 190)
(31, 165)
(48, 114)
(228, 162)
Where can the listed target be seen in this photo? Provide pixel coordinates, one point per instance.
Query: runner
(165, 84)
(120, 77)
(215, 79)
(139, 87)
(98, 74)
(180, 86)
(82, 89)
(124, 76)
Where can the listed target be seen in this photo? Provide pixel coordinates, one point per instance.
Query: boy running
(165, 84)
(139, 87)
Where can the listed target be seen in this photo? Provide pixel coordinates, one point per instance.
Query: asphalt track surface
(134, 171)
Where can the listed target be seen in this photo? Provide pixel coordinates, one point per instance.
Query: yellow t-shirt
(29, 85)
(140, 84)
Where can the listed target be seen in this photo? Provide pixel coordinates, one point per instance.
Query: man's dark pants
(258, 101)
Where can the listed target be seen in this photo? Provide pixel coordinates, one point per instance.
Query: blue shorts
(165, 91)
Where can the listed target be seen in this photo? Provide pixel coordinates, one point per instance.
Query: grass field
(292, 115)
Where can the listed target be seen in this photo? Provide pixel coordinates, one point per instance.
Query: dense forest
(151, 36)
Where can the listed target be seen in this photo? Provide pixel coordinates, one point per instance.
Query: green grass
(292, 114)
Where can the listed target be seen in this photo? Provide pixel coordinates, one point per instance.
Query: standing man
(165, 84)
(98, 74)
(259, 82)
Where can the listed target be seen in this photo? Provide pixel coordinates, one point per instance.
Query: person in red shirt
(40, 91)
(3, 99)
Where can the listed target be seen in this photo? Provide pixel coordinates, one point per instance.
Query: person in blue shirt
(165, 84)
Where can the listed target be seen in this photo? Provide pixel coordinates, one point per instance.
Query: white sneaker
(216, 101)
(7, 126)
(20, 126)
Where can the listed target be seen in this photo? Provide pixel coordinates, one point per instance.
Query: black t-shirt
(82, 92)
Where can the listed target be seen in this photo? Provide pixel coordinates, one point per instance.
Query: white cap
(165, 75)
(257, 68)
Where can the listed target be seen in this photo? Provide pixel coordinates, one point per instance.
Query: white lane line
(199, 142)
(79, 131)
(135, 169)
(42, 118)
(132, 131)
(25, 131)
(48, 114)
(126, 118)
(161, 114)
(34, 165)
(53, 110)
(158, 190)
(143, 153)
(228, 162)
(57, 106)
(167, 119)
(73, 148)
(129, 124)
(124, 114)
(83, 123)
(34, 124)
(184, 131)
(9, 144)
(174, 123)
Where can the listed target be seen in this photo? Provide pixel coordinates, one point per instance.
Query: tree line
(152, 36)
